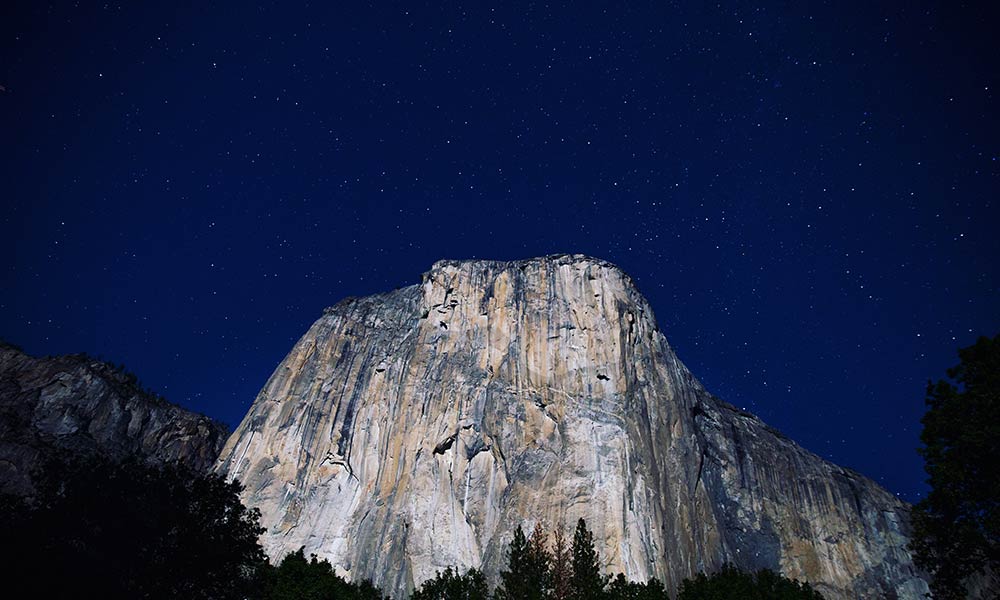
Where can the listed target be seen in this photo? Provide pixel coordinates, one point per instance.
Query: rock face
(75, 404)
(413, 430)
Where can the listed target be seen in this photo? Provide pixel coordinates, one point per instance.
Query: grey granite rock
(77, 405)
(413, 430)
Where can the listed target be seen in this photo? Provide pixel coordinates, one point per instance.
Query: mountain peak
(539, 263)
(414, 430)
(552, 259)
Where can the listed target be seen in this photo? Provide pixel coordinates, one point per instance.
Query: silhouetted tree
(527, 569)
(587, 582)
(622, 589)
(654, 591)
(539, 563)
(512, 578)
(98, 529)
(298, 578)
(561, 566)
(956, 528)
(730, 582)
(449, 585)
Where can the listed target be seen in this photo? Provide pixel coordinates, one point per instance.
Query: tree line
(102, 529)
(98, 528)
(542, 569)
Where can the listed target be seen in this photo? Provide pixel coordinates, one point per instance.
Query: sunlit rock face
(76, 406)
(413, 430)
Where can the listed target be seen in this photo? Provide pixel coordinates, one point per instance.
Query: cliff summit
(413, 430)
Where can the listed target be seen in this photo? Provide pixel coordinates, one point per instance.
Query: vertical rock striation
(413, 430)
(77, 405)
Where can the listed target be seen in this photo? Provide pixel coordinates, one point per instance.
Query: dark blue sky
(806, 194)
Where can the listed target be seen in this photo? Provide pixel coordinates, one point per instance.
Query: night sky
(808, 195)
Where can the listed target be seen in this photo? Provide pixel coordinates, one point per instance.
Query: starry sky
(806, 193)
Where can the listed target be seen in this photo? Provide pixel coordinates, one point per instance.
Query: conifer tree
(527, 573)
(512, 579)
(561, 568)
(539, 581)
(587, 581)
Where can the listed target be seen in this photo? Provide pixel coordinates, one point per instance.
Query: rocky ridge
(412, 430)
(79, 406)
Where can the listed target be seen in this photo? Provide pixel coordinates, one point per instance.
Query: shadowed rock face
(77, 405)
(413, 430)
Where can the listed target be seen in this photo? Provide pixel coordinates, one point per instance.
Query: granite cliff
(413, 430)
(76, 405)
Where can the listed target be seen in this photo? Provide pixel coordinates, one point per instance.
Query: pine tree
(561, 568)
(527, 573)
(539, 560)
(587, 582)
(512, 580)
